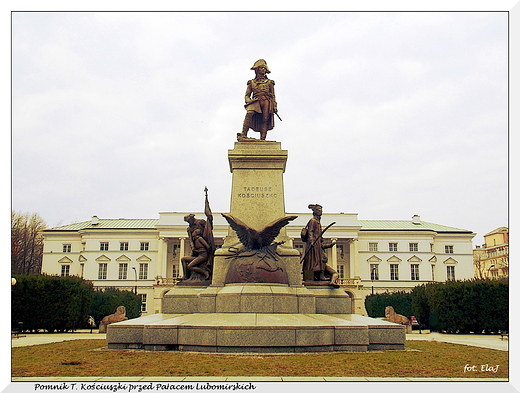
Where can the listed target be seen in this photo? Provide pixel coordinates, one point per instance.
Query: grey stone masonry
(257, 332)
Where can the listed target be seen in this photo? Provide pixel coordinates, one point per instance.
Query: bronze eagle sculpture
(253, 239)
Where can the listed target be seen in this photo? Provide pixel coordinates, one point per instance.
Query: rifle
(315, 240)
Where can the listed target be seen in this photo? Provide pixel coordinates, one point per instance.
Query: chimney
(416, 219)
(95, 220)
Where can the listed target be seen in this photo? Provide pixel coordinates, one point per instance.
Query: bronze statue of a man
(260, 103)
(315, 267)
(199, 265)
(201, 250)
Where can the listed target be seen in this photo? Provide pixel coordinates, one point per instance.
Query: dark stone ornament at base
(256, 266)
(195, 280)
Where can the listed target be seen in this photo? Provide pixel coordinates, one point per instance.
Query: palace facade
(143, 255)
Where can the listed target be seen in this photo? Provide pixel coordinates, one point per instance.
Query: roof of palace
(111, 223)
(403, 225)
(366, 225)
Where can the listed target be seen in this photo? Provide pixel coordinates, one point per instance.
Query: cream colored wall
(91, 255)
(462, 257)
(171, 225)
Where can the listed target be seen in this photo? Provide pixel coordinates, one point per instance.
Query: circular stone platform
(256, 332)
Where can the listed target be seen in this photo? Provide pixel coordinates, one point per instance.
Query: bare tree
(480, 265)
(26, 242)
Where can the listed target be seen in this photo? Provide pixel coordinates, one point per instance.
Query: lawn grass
(92, 358)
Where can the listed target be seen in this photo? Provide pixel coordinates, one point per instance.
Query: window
(82, 269)
(102, 272)
(372, 247)
(175, 248)
(67, 247)
(448, 249)
(392, 247)
(299, 247)
(431, 247)
(123, 271)
(123, 246)
(340, 251)
(143, 302)
(450, 273)
(144, 246)
(414, 272)
(175, 273)
(414, 247)
(143, 271)
(394, 272)
(374, 272)
(341, 271)
(433, 272)
(103, 246)
(65, 270)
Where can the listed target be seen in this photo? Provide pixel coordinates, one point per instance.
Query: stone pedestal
(257, 193)
(257, 199)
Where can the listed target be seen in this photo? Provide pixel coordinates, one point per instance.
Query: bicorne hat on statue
(260, 63)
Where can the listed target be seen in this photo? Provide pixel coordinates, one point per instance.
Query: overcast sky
(384, 114)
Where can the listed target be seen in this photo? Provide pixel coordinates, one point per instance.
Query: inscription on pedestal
(257, 192)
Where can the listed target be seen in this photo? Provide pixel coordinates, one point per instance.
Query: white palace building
(372, 256)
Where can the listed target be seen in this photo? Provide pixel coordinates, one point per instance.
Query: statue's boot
(247, 124)
(263, 131)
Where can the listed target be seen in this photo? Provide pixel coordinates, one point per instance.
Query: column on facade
(354, 258)
(182, 247)
(334, 255)
(163, 258)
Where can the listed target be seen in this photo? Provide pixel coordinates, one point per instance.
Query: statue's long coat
(316, 258)
(257, 89)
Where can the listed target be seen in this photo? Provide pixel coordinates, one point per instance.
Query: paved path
(475, 340)
(47, 338)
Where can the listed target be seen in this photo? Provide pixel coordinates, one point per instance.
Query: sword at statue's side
(315, 240)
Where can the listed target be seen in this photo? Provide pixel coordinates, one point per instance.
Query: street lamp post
(489, 268)
(135, 275)
(372, 275)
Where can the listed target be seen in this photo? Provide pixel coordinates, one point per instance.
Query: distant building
(370, 255)
(491, 260)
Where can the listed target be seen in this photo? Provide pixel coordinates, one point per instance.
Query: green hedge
(50, 303)
(105, 302)
(401, 302)
(463, 306)
(60, 304)
(451, 307)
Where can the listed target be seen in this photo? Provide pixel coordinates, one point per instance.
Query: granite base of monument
(257, 318)
(256, 333)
